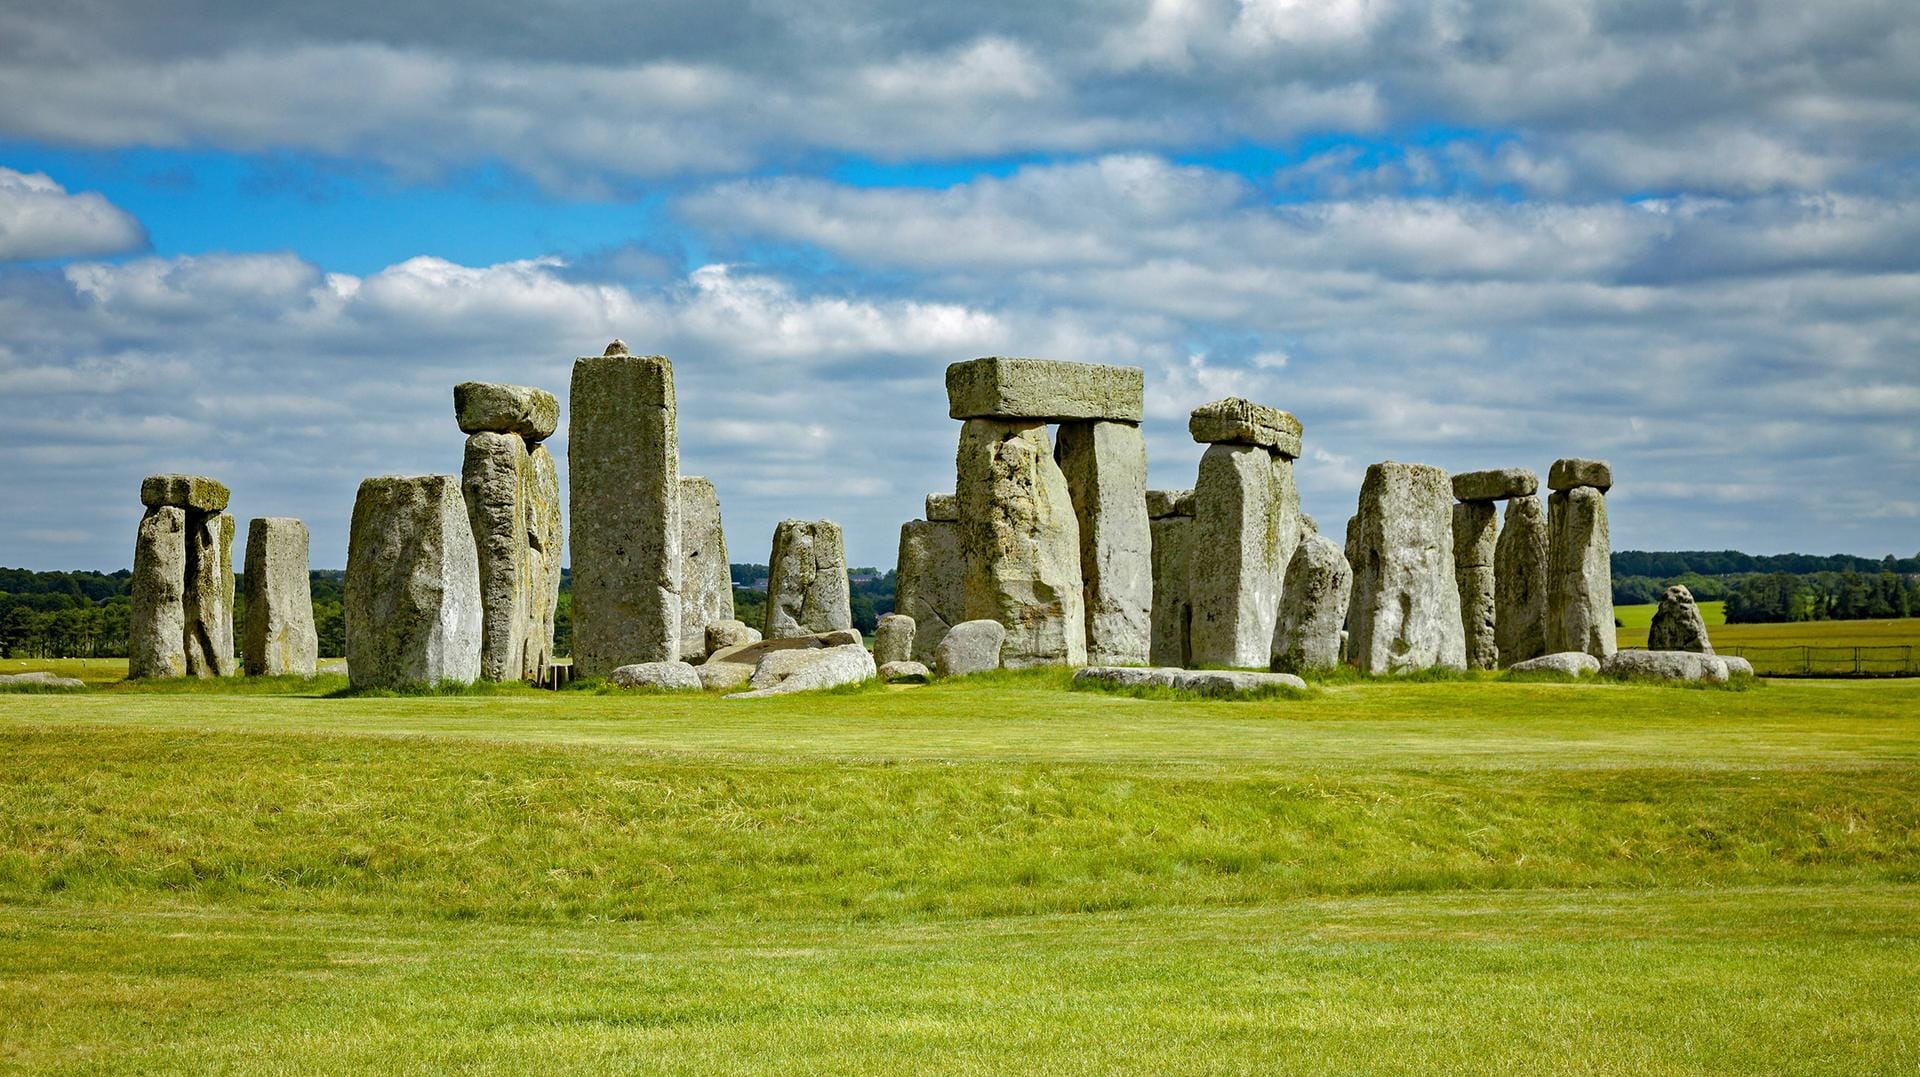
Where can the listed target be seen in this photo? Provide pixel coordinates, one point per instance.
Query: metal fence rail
(1810, 661)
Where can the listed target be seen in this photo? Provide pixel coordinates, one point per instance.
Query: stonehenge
(512, 492)
(280, 636)
(807, 580)
(1477, 557)
(181, 622)
(413, 596)
(1579, 559)
(1313, 606)
(706, 580)
(929, 582)
(1020, 540)
(1105, 464)
(1246, 523)
(1520, 582)
(1170, 515)
(1677, 624)
(1405, 611)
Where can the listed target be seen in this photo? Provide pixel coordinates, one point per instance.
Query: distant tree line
(869, 594)
(1734, 563)
(1774, 588)
(85, 614)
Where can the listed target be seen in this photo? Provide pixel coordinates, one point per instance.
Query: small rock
(905, 673)
(1164, 503)
(732, 633)
(970, 647)
(720, 676)
(1566, 663)
(893, 639)
(668, 676)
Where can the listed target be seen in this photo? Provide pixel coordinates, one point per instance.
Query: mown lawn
(977, 876)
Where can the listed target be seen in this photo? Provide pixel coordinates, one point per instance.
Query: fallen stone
(808, 671)
(752, 653)
(1566, 663)
(1171, 643)
(1573, 472)
(706, 580)
(930, 582)
(1126, 676)
(970, 647)
(623, 457)
(1021, 542)
(493, 481)
(1520, 582)
(905, 673)
(721, 635)
(720, 676)
(209, 595)
(1313, 607)
(807, 580)
(413, 584)
(484, 407)
(1236, 421)
(39, 680)
(281, 640)
(1224, 683)
(1246, 524)
(196, 492)
(157, 625)
(893, 638)
(943, 508)
(1041, 389)
(1579, 573)
(1495, 484)
(665, 676)
(1737, 666)
(1677, 624)
(842, 636)
(1476, 529)
(1665, 666)
(1164, 503)
(1105, 465)
(1405, 611)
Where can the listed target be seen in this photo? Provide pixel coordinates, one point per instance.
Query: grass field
(978, 876)
(1899, 633)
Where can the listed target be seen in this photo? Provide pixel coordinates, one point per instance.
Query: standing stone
(1313, 606)
(893, 638)
(1171, 514)
(1677, 624)
(1476, 529)
(623, 456)
(807, 580)
(930, 582)
(494, 481)
(1520, 582)
(1405, 611)
(706, 580)
(280, 635)
(156, 631)
(1579, 573)
(1021, 541)
(1105, 464)
(413, 584)
(1246, 521)
(546, 550)
(209, 595)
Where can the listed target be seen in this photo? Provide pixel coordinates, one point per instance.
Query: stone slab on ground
(905, 673)
(1665, 666)
(1223, 683)
(39, 680)
(809, 671)
(666, 676)
(999, 387)
(1566, 663)
(720, 676)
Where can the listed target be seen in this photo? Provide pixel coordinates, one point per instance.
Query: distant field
(1642, 615)
(1902, 632)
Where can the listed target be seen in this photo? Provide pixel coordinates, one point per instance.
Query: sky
(262, 241)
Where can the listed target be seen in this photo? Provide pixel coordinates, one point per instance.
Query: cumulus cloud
(40, 219)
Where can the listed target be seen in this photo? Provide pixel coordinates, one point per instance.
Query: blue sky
(263, 243)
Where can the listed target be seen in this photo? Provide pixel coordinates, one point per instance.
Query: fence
(1809, 661)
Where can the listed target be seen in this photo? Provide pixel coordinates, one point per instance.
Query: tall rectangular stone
(1476, 529)
(1246, 523)
(1579, 573)
(706, 580)
(1022, 542)
(1405, 612)
(807, 590)
(1171, 523)
(280, 633)
(209, 594)
(1313, 606)
(1105, 464)
(495, 479)
(1520, 582)
(546, 554)
(156, 629)
(1012, 389)
(930, 582)
(623, 457)
(413, 584)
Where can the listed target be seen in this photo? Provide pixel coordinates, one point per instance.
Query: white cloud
(40, 219)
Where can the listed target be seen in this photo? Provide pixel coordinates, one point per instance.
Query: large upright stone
(280, 635)
(156, 630)
(1579, 573)
(1677, 624)
(1246, 523)
(495, 480)
(706, 580)
(1313, 606)
(930, 582)
(1105, 464)
(487, 407)
(546, 553)
(1021, 541)
(1520, 582)
(209, 595)
(1405, 611)
(1030, 389)
(807, 580)
(1476, 529)
(1171, 513)
(413, 584)
(623, 457)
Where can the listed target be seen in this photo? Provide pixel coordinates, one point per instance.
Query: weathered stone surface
(1566, 663)
(413, 584)
(1476, 530)
(905, 673)
(807, 580)
(493, 479)
(623, 457)
(720, 676)
(1665, 666)
(1033, 389)
(1246, 523)
(943, 508)
(1237, 421)
(970, 647)
(1495, 484)
(1737, 666)
(1164, 503)
(1225, 683)
(491, 408)
(209, 595)
(893, 638)
(1125, 676)
(706, 581)
(1572, 472)
(1313, 606)
(930, 582)
(841, 636)
(195, 492)
(1677, 624)
(156, 630)
(1021, 543)
(1405, 611)
(729, 633)
(546, 552)
(39, 680)
(752, 653)
(1172, 617)
(1579, 573)
(1105, 465)
(1520, 582)
(665, 676)
(808, 671)
(280, 635)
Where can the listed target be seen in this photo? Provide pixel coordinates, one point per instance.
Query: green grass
(978, 876)
(1641, 616)
(1899, 632)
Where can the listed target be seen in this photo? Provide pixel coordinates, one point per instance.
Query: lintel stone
(1571, 472)
(484, 407)
(184, 492)
(1008, 388)
(1237, 421)
(1495, 484)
